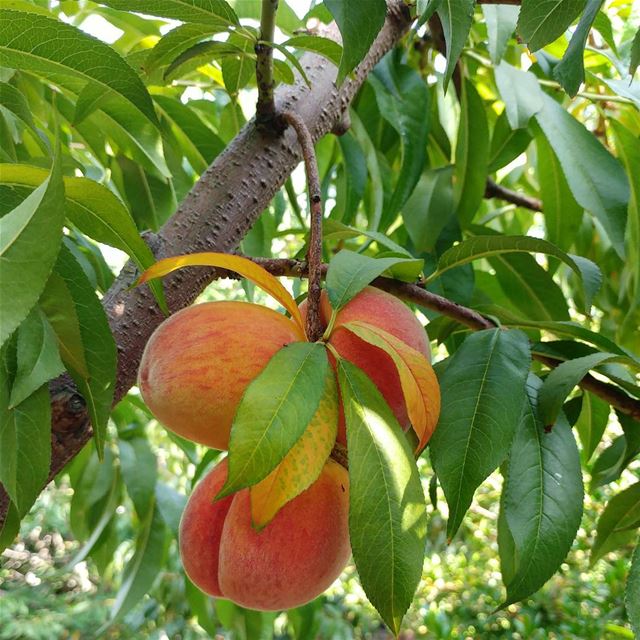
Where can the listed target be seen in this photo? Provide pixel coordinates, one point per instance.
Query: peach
(197, 364)
(286, 564)
(383, 310)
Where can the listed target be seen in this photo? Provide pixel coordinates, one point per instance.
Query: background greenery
(96, 555)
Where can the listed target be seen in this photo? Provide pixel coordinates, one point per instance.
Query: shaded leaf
(486, 376)
(543, 21)
(456, 17)
(322, 46)
(387, 516)
(359, 24)
(138, 465)
(501, 23)
(596, 178)
(542, 498)
(632, 596)
(274, 412)
(86, 345)
(592, 422)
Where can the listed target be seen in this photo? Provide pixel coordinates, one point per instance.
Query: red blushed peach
(286, 564)
(198, 363)
(383, 310)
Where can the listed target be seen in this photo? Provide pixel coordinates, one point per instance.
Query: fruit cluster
(194, 372)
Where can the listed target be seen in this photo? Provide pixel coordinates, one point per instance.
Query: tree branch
(495, 190)
(314, 254)
(266, 106)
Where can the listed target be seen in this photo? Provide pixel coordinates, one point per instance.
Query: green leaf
(239, 69)
(456, 17)
(486, 376)
(274, 412)
(25, 442)
(543, 21)
(349, 273)
(138, 465)
(429, 208)
(472, 154)
(37, 357)
(30, 238)
(92, 208)
(501, 23)
(542, 498)
(359, 24)
(143, 568)
(521, 93)
(387, 515)
(596, 178)
(12, 100)
(634, 62)
(85, 341)
(215, 13)
(562, 214)
(592, 422)
(325, 47)
(632, 596)
(199, 54)
(486, 246)
(506, 143)
(10, 527)
(609, 533)
(570, 72)
(334, 230)
(403, 101)
(171, 504)
(559, 383)
(530, 287)
(48, 46)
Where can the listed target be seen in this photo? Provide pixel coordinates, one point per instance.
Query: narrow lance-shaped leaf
(542, 499)
(274, 412)
(564, 378)
(302, 466)
(570, 72)
(501, 23)
(486, 376)
(417, 378)
(30, 238)
(456, 17)
(86, 345)
(592, 422)
(596, 178)
(485, 246)
(37, 356)
(359, 24)
(25, 439)
(387, 516)
(349, 273)
(240, 265)
(543, 21)
(520, 92)
(634, 61)
(49, 46)
(472, 154)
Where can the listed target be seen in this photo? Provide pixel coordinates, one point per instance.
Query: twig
(495, 190)
(314, 254)
(266, 106)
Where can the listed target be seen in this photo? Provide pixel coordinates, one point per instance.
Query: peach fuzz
(286, 564)
(198, 363)
(383, 310)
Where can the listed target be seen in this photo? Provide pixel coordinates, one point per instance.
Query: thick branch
(314, 254)
(266, 106)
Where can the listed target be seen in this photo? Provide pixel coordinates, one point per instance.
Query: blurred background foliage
(97, 555)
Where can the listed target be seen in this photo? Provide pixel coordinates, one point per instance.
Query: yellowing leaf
(417, 378)
(242, 266)
(303, 464)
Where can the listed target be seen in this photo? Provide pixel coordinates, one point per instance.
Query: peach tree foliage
(101, 142)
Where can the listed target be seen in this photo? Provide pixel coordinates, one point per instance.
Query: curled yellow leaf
(417, 378)
(242, 266)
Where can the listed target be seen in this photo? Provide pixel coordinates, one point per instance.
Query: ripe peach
(289, 562)
(198, 363)
(383, 310)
